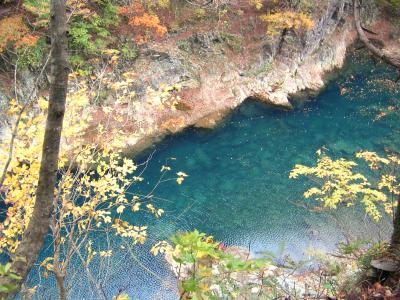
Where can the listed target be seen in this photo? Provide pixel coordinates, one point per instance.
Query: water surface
(238, 188)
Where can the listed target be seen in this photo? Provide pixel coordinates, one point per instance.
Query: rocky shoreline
(217, 70)
(298, 282)
(215, 79)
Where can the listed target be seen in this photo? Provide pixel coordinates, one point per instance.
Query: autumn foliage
(14, 32)
(145, 25)
(278, 21)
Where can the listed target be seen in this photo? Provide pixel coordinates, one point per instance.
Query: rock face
(266, 68)
(385, 264)
(218, 69)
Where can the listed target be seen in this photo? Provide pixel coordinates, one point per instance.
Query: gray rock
(385, 264)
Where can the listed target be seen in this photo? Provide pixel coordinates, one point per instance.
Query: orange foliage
(12, 29)
(149, 21)
(142, 21)
(26, 41)
(134, 8)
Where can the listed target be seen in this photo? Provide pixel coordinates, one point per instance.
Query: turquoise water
(238, 188)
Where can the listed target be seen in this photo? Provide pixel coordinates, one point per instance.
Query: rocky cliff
(218, 70)
(218, 66)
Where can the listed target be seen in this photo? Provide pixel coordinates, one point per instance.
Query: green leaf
(14, 276)
(5, 288)
(190, 285)
(328, 286)
(177, 259)
(7, 267)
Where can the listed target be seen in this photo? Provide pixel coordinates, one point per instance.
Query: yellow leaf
(121, 297)
(165, 168)
(107, 253)
(43, 104)
(136, 207)
(120, 209)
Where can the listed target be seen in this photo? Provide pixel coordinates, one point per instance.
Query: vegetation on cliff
(97, 26)
(56, 177)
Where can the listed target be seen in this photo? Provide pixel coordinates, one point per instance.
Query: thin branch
(16, 126)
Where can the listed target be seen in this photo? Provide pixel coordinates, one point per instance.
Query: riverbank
(215, 78)
(216, 67)
(195, 77)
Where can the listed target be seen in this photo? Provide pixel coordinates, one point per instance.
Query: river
(238, 188)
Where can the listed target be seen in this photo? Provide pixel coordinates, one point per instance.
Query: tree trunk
(61, 287)
(34, 236)
(384, 54)
(395, 240)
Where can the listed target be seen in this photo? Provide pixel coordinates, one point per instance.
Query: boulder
(385, 264)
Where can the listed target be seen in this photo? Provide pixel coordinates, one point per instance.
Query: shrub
(32, 56)
(145, 23)
(129, 51)
(12, 29)
(279, 21)
(89, 34)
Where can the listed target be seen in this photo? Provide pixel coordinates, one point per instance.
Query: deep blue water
(238, 187)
